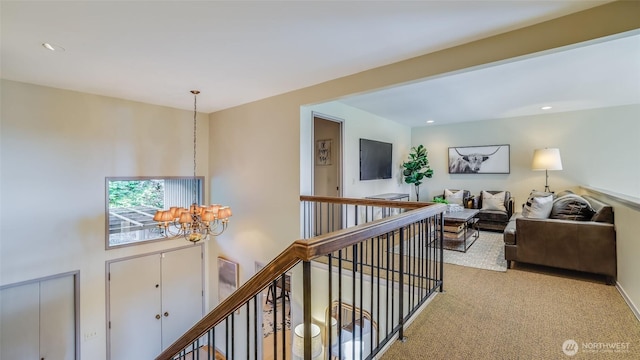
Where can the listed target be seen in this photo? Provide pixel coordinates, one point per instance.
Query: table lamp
(546, 159)
(298, 341)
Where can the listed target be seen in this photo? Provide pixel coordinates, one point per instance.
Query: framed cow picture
(486, 159)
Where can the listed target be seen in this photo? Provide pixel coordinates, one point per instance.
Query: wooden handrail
(366, 202)
(334, 241)
(305, 250)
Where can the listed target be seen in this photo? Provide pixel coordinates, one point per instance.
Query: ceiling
(236, 52)
(602, 74)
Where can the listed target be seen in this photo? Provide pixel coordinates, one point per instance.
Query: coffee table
(460, 226)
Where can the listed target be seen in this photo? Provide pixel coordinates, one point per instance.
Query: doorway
(327, 170)
(327, 167)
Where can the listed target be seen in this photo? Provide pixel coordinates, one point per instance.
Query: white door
(38, 320)
(153, 300)
(182, 296)
(135, 311)
(19, 322)
(327, 178)
(57, 319)
(327, 174)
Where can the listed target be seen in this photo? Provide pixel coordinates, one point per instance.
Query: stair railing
(382, 259)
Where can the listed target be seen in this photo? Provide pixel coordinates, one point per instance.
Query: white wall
(360, 124)
(627, 246)
(599, 148)
(596, 147)
(57, 147)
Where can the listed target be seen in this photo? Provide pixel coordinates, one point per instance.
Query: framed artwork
(227, 278)
(323, 152)
(487, 159)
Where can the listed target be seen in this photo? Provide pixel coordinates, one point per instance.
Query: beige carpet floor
(525, 313)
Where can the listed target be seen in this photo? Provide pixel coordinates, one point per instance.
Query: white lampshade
(298, 341)
(546, 159)
(334, 330)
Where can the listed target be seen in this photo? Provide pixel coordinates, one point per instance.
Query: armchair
(354, 337)
(495, 209)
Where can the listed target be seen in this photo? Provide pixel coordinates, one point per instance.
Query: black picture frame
(483, 159)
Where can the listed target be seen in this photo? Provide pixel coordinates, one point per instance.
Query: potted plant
(417, 168)
(440, 200)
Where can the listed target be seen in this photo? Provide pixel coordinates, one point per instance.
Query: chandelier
(199, 221)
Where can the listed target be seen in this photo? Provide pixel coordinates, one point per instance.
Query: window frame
(108, 246)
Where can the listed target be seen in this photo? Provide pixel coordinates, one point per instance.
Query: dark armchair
(495, 212)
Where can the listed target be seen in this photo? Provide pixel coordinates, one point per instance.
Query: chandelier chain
(195, 96)
(198, 221)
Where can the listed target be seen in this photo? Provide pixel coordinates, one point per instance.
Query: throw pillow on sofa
(538, 207)
(526, 208)
(563, 193)
(493, 201)
(453, 197)
(572, 207)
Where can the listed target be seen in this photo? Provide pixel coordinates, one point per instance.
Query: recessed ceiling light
(430, 121)
(52, 47)
(545, 107)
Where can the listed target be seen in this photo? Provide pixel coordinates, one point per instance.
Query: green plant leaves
(417, 167)
(440, 200)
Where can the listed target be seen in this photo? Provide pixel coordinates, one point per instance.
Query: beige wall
(58, 146)
(594, 151)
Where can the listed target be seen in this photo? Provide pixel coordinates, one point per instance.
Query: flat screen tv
(375, 160)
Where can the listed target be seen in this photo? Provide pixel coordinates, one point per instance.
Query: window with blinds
(132, 202)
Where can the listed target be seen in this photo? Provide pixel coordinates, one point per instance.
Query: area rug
(486, 253)
(267, 322)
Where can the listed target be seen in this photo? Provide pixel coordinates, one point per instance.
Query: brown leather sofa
(588, 246)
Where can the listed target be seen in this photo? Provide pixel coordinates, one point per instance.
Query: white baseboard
(628, 300)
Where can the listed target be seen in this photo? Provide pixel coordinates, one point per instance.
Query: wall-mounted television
(375, 159)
